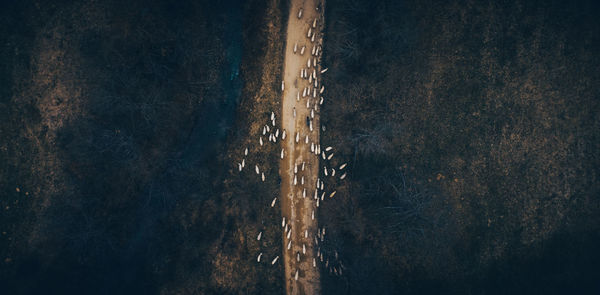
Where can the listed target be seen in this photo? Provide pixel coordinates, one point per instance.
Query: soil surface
(296, 209)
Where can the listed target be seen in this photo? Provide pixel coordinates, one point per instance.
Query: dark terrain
(471, 129)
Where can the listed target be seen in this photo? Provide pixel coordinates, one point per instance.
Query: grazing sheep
(312, 114)
(315, 92)
(323, 156)
(342, 166)
(309, 33)
(304, 193)
(312, 216)
(328, 148)
(263, 177)
(314, 262)
(343, 176)
(243, 163)
(246, 152)
(332, 194)
(295, 114)
(312, 39)
(259, 256)
(296, 276)
(302, 50)
(295, 169)
(256, 169)
(289, 245)
(283, 222)
(273, 202)
(260, 141)
(300, 13)
(322, 89)
(330, 156)
(259, 235)
(302, 180)
(282, 85)
(324, 70)
(305, 233)
(264, 130)
(297, 137)
(289, 234)
(332, 172)
(302, 166)
(303, 249)
(308, 63)
(295, 47)
(321, 102)
(275, 260)
(306, 139)
(295, 180)
(314, 23)
(239, 166)
(282, 153)
(283, 134)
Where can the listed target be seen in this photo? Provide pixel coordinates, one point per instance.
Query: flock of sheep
(312, 94)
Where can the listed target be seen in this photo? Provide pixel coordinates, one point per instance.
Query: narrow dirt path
(297, 200)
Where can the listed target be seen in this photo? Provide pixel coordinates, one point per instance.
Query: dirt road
(297, 208)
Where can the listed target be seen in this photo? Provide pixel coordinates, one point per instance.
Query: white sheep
(259, 235)
(259, 256)
(273, 202)
(275, 260)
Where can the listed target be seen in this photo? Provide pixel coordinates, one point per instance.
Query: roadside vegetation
(471, 132)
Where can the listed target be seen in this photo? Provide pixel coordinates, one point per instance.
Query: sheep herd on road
(313, 94)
